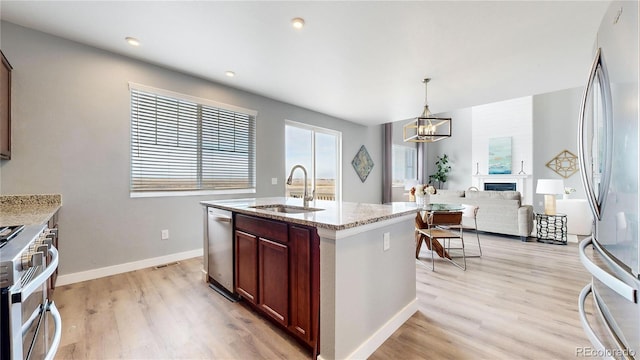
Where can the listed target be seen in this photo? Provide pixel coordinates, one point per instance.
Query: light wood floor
(519, 301)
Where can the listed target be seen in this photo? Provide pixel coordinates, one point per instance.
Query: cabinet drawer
(272, 230)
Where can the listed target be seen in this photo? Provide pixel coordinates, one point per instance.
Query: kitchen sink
(286, 209)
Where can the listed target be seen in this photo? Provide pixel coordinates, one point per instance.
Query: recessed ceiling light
(297, 23)
(132, 41)
(230, 73)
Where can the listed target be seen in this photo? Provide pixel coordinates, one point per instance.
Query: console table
(552, 229)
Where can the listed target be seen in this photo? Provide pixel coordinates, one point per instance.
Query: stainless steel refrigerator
(608, 152)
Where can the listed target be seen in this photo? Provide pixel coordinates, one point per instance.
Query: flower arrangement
(422, 190)
(569, 190)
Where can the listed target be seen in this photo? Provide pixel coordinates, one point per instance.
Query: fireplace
(500, 186)
(522, 182)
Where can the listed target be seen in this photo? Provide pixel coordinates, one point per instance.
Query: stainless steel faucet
(305, 197)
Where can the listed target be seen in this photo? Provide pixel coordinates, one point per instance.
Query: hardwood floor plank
(517, 301)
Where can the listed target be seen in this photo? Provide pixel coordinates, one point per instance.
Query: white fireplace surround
(521, 181)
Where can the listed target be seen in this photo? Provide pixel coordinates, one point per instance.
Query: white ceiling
(361, 61)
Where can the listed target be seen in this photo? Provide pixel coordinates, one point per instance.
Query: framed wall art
(564, 164)
(500, 155)
(362, 163)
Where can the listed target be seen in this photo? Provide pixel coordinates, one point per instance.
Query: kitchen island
(367, 282)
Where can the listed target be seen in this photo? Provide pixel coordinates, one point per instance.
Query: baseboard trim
(382, 334)
(126, 267)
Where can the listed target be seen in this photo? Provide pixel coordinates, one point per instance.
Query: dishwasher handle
(219, 218)
(222, 219)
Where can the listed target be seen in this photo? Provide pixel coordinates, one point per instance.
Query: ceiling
(361, 61)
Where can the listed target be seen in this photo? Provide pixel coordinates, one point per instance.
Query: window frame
(414, 155)
(314, 130)
(253, 114)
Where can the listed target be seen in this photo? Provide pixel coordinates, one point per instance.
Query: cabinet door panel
(247, 266)
(299, 239)
(274, 279)
(5, 108)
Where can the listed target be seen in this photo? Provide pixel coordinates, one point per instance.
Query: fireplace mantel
(521, 181)
(502, 176)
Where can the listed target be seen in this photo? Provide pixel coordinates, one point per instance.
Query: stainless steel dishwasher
(220, 251)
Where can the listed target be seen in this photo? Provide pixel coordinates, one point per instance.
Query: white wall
(469, 144)
(457, 148)
(556, 127)
(71, 136)
(510, 118)
(541, 126)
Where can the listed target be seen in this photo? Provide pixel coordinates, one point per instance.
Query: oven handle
(34, 284)
(57, 321)
(27, 324)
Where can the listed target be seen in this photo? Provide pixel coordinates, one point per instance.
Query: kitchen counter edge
(28, 209)
(334, 216)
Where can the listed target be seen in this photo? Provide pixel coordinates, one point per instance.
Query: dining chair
(445, 226)
(470, 213)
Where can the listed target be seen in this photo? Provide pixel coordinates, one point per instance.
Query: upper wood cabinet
(5, 108)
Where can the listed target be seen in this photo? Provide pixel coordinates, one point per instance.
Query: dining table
(425, 210)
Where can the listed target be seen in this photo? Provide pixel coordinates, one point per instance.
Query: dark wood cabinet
(5, 108)
(304, 285)
(273, 280)
(285, 260)
(246, 265)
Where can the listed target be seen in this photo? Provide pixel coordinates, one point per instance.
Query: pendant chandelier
(426, 127)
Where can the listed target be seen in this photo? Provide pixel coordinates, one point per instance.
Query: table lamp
(550, 188)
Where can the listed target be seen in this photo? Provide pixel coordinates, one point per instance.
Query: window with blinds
(182, 143)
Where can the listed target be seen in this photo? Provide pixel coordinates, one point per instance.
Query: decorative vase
(420, 200)
(565, 196)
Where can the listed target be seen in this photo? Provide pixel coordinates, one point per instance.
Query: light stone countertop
(334, 216)
(28, 209)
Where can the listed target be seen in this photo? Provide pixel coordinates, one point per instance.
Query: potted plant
(567, 192)
(442, 171)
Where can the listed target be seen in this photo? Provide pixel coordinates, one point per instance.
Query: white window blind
(182, 143)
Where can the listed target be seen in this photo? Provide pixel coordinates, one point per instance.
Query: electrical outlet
(386, 241)
(165, 234)
(274, 181)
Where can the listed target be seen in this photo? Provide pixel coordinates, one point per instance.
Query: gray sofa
(499, 211)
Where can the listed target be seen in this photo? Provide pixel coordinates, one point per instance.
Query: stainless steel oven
(30, 323)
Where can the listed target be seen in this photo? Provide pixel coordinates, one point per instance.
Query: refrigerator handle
(611, 281)
(593, 338)
(599, 70)
(582, 156)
